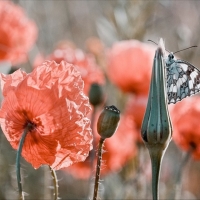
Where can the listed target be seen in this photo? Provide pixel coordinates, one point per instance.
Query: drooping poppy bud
(108, 121)
(95, 94)
(156, 128)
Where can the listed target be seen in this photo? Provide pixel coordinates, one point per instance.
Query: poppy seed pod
(95, 94)
(108, 121)
(156, 128)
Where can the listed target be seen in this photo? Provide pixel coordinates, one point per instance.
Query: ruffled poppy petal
(10, 82)
(118, 150)
(51, 98)
(86, 65)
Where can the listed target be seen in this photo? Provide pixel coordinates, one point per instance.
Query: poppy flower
(50, 98)
(17, 33)
(135, 109)
(90, 71)
(117, 151)
(129, 66)
(185, 120)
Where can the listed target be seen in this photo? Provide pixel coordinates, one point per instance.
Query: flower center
(193, 145)
(30, 125)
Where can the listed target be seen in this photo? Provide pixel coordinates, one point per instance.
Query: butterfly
(183, 79)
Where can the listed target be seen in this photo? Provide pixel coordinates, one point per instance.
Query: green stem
(96, 185)
(156, 158)
(55, 183)
(19, 151)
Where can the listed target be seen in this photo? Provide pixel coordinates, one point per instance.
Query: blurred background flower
(130, 64)
(186, 115)
(135, 109)
(17, 33)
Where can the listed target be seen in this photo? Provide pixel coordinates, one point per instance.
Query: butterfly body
(183, 79)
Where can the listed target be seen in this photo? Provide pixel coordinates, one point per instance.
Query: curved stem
(96, 185)
(19, 182)
(55, 183)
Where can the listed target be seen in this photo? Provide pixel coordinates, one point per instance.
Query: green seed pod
(95, 94)
(108, 121)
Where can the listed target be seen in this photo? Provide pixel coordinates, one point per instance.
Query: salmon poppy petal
(85, 63)
(17, 33)
(185, 118)
(129, 66)
(118, 150)
(50, 98)
(10, 82)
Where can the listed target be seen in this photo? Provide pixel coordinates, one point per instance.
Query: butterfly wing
(183, 79)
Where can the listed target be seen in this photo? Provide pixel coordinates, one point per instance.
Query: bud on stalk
(106, 126)
(95, 94)
(108, 121)
(156, 128)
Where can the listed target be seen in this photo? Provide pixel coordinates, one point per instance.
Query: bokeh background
(109, 21)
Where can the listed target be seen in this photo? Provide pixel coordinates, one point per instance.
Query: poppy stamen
(30, 125)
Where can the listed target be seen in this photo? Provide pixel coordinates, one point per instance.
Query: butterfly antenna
(152, 41)
(157, 44)
(184, 49)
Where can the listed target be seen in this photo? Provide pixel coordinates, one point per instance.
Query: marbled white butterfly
(183, 79)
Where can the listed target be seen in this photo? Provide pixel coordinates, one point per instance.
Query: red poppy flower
(130, 64)
(51, 98)
(185, 119)
(90, 71)
(135, 109)
(118, 150)
(17, 33)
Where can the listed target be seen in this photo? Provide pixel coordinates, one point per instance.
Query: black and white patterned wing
(183, 80)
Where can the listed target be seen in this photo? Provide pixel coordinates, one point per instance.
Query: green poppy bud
(156, 128)
(108, 121)
(95, 94)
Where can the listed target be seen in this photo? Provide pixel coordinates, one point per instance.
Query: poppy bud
(108, 121)
(156, 127)
(95, 94)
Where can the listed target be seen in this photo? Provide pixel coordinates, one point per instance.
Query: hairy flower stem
(96, 185)
(92, 152)
(179, 173)
(19, 182)
(55, 183)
